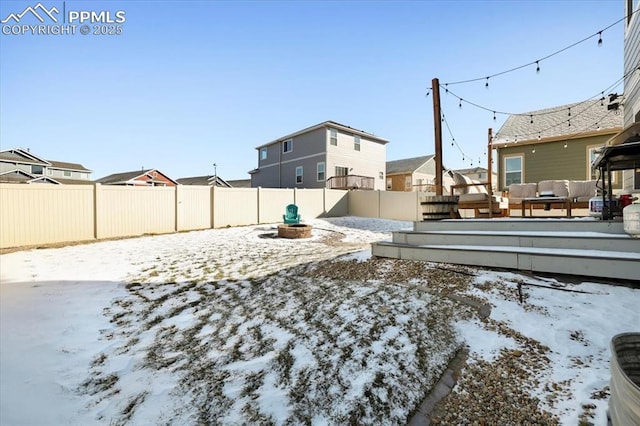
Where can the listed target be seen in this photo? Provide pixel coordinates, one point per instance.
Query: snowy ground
(234, 326)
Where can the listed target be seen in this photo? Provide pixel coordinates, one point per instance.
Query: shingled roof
(571, 120)
(407, 165)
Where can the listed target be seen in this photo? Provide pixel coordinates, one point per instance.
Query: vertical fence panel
(310, 203)
(193, 207)
(131, 210)
(364, 203)
(235, 206)
(44, 214)
(336, 202)
(273, 202)
(398, 205)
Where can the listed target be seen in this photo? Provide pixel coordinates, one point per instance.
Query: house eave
(573, 136)
(327, 124)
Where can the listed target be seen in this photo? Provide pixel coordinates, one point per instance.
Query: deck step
(556, 240)
(520, 224)
(593, 263)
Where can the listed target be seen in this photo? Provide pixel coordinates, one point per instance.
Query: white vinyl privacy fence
(44, 214)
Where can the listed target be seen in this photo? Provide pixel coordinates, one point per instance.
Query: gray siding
(631, 82)
(278, 169)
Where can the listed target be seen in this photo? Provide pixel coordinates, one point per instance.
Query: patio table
(565, 201)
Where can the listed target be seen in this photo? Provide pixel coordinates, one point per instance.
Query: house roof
(240, 183)
(471, 171)
(328, 124)
(203, 180)
(127, 177)
(19, 155)
(68, 166)
(563, 122)
(407, 164)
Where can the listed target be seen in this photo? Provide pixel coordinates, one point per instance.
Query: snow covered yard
(233, 326)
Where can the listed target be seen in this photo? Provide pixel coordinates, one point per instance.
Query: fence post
(258, 204)
(96, 209)
(212, 207)
(176, 194)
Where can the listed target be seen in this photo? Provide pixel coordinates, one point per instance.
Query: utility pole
(437, 128)
(490, 170)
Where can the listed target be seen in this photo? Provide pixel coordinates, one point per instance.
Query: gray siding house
(19, 165)
(631, 178)
(327, 155)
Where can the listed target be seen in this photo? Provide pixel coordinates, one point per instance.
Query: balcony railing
(351, 182)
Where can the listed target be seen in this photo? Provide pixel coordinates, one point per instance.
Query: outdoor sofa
(577, 191)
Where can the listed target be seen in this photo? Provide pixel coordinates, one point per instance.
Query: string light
(494, 116)
(460, 104)
(537, 67)
(486, 84)
(537, 62)
(531, 117)
(565, 144)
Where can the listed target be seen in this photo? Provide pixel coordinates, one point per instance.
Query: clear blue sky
(190, 83)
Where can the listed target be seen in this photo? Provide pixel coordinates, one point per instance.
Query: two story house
(327, 155)
(143, 177)
(19, 165)
(411, 174)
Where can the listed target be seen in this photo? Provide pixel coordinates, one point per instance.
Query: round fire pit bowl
(295, 230)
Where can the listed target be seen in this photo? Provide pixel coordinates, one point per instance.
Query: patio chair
(291, 214)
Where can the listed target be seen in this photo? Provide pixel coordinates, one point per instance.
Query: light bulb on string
(599, 38)
(565, 144)
(494, 116)
(486, 84)
(539, 136)
(533, 151)
(446, 88)
(602, 100)
(460, 104)
(537, 67)
(531, 117)
(569, 111)
(569, 123)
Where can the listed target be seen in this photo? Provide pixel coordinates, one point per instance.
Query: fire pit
(297, 230)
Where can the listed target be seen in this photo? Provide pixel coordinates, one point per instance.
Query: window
(407, 183)
(389, 183)
(263, 154)
(512, 170)
(333, 137)
(381, 175)
(320, 172)
(287, 146)
(356, 143)
(36, 170)
(298, 174)
(482, 175)
(67, 173)
(341, 171)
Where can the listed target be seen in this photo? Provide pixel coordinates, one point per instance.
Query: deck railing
(351, 182)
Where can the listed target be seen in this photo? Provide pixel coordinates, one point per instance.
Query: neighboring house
(327, 155)
(557, 143)
(411, 174)
(151, 177)
(204, 181)
(479, 174)
(240, 183)
(19, 165)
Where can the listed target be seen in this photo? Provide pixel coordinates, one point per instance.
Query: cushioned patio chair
(291, 214)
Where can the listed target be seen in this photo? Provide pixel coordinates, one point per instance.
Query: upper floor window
(321, 176)
(67, 173)
(333, 137)
(263, 154)
(356, 142)
(513, 170)
(299, 174)
(287, 146)
(37, 170)
(389, 183)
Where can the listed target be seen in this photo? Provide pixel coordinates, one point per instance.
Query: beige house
(479, 174)
(327, 155)
(411, 174)
(19, 165)
(558, 143)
